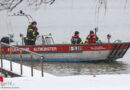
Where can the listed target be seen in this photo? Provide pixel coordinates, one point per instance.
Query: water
(120, 66)
(83, 68)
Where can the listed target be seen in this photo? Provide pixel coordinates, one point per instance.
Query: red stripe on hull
(58, 48)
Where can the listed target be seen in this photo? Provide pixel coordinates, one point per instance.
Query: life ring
(117, 41)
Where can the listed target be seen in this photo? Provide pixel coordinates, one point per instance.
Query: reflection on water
(83, 68)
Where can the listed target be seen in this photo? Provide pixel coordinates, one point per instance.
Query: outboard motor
(6, 40)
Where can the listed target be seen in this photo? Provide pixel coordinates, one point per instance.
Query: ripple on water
(83, 68)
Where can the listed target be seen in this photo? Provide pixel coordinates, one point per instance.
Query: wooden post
(10, 59)
(42, 72)
(21, 63)
(32, 65)
(1, 56)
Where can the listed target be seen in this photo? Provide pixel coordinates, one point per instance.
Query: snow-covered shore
(50, 82)
(100, 82)
(26, 70)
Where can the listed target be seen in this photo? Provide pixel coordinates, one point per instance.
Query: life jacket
(76, 40)
(74, 36)
(91, 39)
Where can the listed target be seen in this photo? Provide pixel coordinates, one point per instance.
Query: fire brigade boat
(67, 52)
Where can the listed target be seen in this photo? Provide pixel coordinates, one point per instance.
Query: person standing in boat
(32, 33)
(92, 38)
(76, 39)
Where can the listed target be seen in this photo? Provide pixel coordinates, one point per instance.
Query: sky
(64, 17)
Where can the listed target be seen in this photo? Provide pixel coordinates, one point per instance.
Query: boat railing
(21, 57)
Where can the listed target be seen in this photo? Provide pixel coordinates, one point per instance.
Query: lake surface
(83, 68)
(120, 66)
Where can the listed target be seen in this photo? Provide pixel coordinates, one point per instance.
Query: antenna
(96, 30)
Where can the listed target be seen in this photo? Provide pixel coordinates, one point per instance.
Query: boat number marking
(75, 48)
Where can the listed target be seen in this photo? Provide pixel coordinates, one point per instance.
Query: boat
(70, 52)
(67, 52)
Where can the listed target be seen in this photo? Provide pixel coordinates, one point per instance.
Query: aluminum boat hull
(65, 52)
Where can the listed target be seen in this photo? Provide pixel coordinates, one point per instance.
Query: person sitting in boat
(92, 38)
(31, 34)
(76, 39)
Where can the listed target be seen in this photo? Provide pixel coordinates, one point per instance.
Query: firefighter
(92, 38)
(76, 39)
(31, 34)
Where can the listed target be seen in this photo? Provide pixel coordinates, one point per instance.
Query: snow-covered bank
(100, 82)
(26, 70)
(50, 82)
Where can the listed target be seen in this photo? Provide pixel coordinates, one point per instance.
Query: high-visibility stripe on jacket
(31, 34)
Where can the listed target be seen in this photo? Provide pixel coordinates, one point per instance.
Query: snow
(26, 70)
(100, 82)
(50, 82)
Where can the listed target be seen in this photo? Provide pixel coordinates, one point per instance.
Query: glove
(37, 33)
(96, 29)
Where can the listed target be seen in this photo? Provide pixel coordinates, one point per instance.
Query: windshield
(49, 40)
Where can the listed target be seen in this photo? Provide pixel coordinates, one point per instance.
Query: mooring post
(10, 59)
(32, 65)
(42, 72)
(1, 56)
(21, 63)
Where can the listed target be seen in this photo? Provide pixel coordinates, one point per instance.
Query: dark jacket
(76, 40)
(31, 33)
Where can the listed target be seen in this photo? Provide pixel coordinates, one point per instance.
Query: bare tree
(125, 4)
(11, 4)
